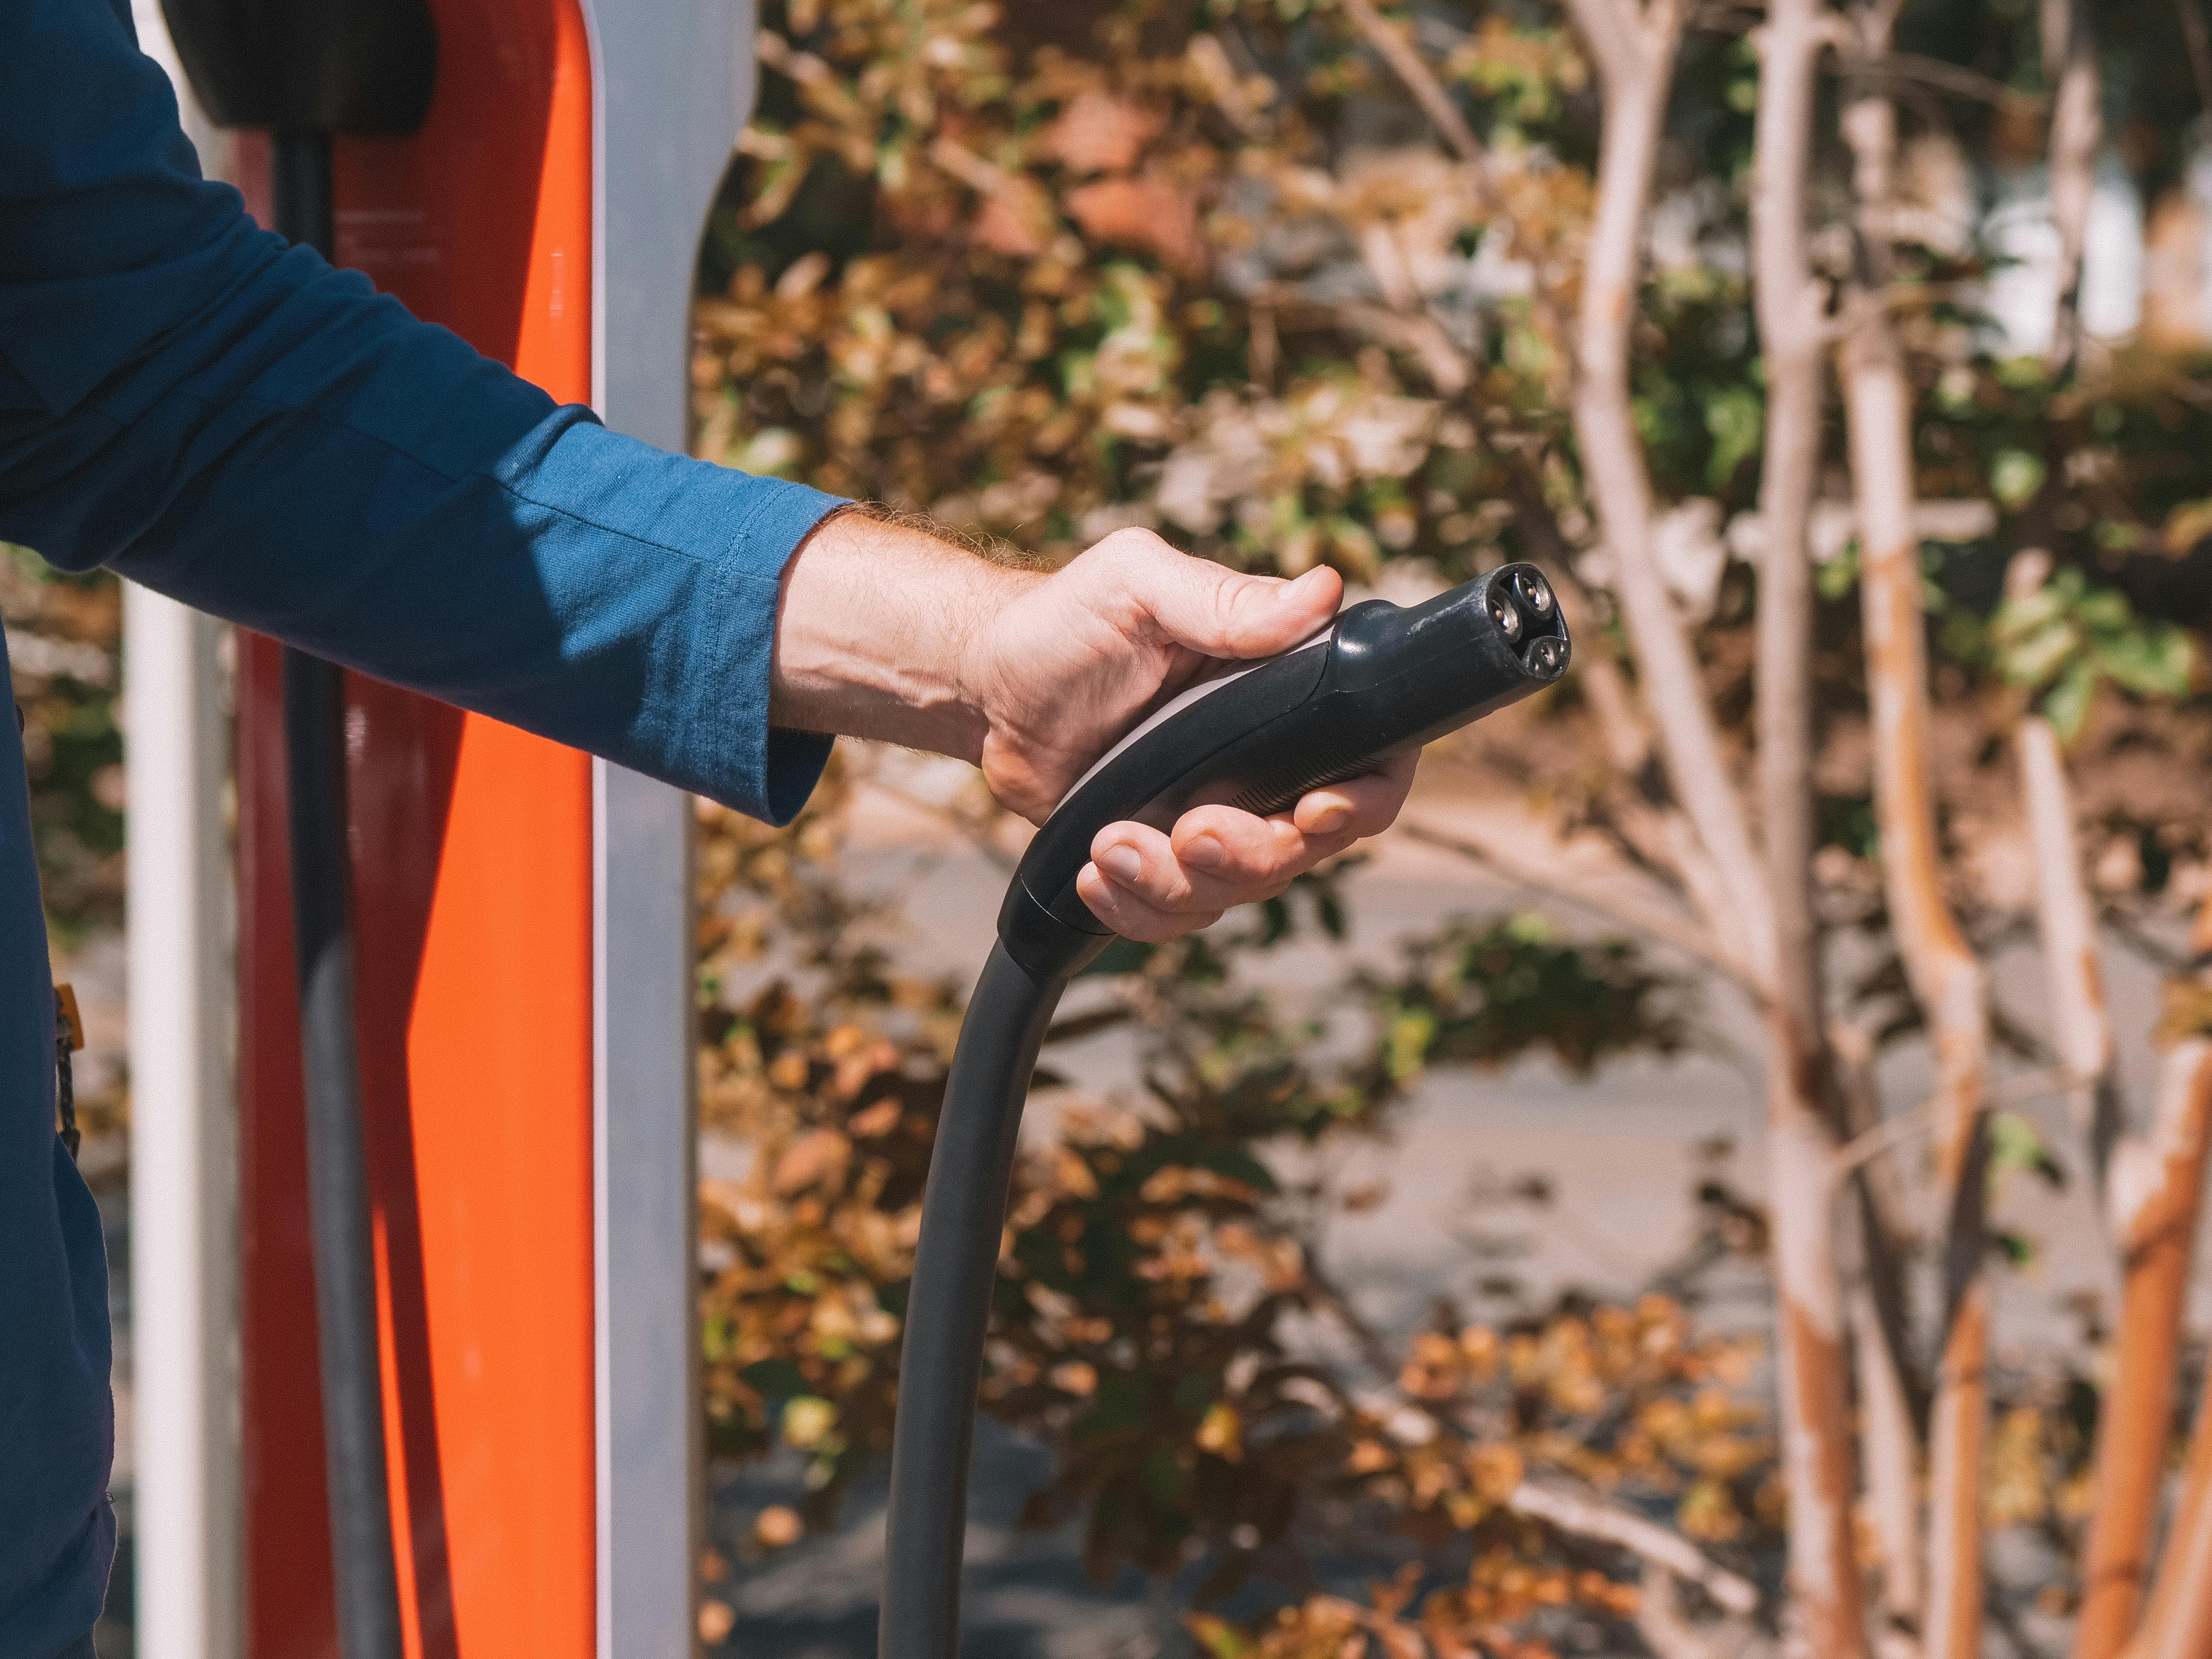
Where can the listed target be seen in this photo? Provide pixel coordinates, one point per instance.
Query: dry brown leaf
(1151, 212)
(1101, 133)
(817, 1157)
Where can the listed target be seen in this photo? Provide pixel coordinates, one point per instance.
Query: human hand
(886, 632)
(1075, 659)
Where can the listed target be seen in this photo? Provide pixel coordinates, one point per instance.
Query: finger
(1217, 857)
(1256, 855)
(1237, 851)
(1245, 852)
(1131, 916)
(1358, 807)
(1195, 603)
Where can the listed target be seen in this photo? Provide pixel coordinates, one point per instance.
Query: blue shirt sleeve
(233, 422)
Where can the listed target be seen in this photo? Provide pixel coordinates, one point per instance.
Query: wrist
(876, 635)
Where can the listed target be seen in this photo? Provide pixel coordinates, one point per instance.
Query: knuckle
(1239, 603)
(1124, 550)
(1167, 889)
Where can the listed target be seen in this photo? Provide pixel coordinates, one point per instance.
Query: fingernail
(1204, 852)
(1123, 864)
(1329, 818)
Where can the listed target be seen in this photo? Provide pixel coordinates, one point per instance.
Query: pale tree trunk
(1890, 1452)
(1825, 1607)
(2137, 1420)
(2077, 128)
(2155, 1191)
(2066, 925)
(1634, 46)
(1947, 978)
(2081, 1027)
(2150, 1191)
(1889, 1431)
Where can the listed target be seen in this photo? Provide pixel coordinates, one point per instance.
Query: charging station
(523, 966)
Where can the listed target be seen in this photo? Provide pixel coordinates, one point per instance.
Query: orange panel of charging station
(472, 846)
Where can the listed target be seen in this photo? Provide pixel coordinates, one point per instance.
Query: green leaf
(1737, 421)
(1194, 1392)
(2032, 656)
(2015, 477)
(2103, 612)
(2016, 1143)
(1839, 574)
(1528, 928)
(2154, 662)
(1411, 1033)
(2067, 704)
(1220, 1639)
(1483, 994)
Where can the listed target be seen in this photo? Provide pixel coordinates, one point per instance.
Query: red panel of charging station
(473, 889)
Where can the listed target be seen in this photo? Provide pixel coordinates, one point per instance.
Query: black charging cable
(368, 1589)
(949, 1305)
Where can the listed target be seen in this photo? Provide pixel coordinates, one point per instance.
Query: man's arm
(236, 424)
(233, 422)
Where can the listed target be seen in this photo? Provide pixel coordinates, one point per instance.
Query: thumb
(1197, 604)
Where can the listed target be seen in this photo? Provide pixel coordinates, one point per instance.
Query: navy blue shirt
(226, 419)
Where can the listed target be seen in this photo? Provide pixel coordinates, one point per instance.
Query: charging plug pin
(1534, 592)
